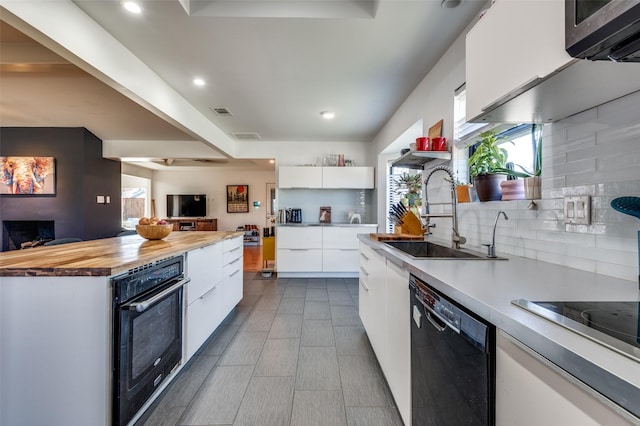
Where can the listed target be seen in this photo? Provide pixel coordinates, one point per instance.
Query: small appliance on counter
(293, 216)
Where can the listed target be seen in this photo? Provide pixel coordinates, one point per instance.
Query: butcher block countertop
(103, 257)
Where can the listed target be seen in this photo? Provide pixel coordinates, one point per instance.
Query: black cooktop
(613, 324)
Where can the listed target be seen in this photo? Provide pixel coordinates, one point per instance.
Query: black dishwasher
(452, 361)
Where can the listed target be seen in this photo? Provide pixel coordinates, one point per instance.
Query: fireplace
(26, 233)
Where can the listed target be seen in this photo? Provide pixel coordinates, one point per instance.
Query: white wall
(307, 153)
(213, 181)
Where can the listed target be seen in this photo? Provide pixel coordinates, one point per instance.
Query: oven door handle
(144, 305)
(432, 316)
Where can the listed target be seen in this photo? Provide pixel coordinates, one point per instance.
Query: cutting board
(387, 237)
(435, 131)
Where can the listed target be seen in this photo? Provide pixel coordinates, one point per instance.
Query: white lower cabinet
(398, 369)
(232, 279)
(319, 249)
(372, 272)
(384, 310)
(214, 290)
(203, 316)
(530, 391)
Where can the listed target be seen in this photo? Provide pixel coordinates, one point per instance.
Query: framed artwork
(27, 176)
(237, 198)
(325, 214)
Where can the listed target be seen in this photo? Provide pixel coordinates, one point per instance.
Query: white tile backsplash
(596, 153)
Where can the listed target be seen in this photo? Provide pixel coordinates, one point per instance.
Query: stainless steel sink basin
(427, 249)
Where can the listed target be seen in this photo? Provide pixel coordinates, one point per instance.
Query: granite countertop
(103, 257)
(487, 288)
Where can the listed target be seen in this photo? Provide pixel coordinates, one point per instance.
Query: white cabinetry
(384, 310)
(204, 295)
(538, 81)
(319, 250)
(373, 272)
(340, 248)
(325, 177)
(299, 249)
(531, 391)
(530, 53)
(214, 290)
(299, 177)
(232, 266)
(347, 177)
(398, 369)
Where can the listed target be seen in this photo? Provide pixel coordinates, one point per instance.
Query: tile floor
(293, 352)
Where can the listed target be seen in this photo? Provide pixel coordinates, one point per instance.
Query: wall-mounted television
(186, 205)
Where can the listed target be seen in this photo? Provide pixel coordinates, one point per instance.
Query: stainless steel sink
(427, 249)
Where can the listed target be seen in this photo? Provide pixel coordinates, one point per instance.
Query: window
(135, 200)
(517, 138)
(396, 192)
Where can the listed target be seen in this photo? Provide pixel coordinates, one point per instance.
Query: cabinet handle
(237, 270)
(233, 249)
(233, 261)
(299, 249)
(364, 271)
(208, 291)
(364, 255)
(363, 286)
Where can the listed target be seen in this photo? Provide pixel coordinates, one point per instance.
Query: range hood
(579, 86)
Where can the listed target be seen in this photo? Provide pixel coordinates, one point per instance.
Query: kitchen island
(56, 312)
(545, 372)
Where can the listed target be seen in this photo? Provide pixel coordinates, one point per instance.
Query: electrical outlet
(577, 210)
(100, 199)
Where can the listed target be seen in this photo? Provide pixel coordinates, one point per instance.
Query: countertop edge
(138, 252)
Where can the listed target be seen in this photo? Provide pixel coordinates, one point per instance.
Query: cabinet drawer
(231, 243)
(340, 260)
(231, 291)
(203, 317)
(303, 237)
(343, 237)
(232, 256)
(299, 260)
(204, 268)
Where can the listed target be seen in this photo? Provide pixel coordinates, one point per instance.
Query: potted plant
(410, 187)
(512, 188)
(485, 165)
(532, 181)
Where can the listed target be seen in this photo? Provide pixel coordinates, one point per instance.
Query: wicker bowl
(154, 232)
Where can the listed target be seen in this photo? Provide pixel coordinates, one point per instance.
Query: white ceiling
(275, 74)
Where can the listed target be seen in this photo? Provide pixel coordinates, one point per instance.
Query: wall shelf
(417, 159)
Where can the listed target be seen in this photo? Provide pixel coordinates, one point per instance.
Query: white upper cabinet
(514, 44)
(325, 177)
(347, 177)
(299, 177)
(517, 69)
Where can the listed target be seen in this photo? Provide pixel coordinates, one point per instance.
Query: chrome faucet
(456, 239)
(491, 248)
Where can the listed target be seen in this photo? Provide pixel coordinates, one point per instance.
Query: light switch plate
(577, 210)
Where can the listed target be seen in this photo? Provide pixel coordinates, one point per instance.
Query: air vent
(224, 112)
(247, 136)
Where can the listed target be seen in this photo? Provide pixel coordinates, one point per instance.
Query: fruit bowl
(154, 232)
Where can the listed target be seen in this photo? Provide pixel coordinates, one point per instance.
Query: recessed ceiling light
(272, 161)
(198, 82)
(328, 114)
(132, 7)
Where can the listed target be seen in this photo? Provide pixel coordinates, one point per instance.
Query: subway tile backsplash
(596, 153)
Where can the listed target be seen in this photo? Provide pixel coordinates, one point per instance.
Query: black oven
(147, 331)
(603, 29)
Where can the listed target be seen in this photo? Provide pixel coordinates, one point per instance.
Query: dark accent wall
(81, 174)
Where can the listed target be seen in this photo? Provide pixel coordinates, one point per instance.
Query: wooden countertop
(103, 257)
